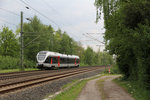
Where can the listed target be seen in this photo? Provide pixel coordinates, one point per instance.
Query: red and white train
(48, 59)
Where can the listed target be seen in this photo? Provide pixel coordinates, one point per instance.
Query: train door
(58, 61)
(75, 61)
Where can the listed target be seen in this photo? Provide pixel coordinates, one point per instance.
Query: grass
(133, 89)
(16, 70)
(72, 93)
(69, 84)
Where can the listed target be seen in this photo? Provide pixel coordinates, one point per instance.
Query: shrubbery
(7, 62)
(114, 69)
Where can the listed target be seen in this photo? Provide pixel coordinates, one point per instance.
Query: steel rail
(19, 85)
(47, 76)
(14, 75)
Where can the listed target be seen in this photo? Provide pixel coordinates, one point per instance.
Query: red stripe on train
(75, 61)
(51, 60)
(58, 61)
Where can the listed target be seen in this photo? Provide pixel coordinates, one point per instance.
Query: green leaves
(128, 36)
(100, 58)
(8, 43)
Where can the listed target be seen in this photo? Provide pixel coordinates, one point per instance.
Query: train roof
(50, 53)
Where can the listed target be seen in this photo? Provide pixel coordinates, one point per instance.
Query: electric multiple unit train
(48, 59)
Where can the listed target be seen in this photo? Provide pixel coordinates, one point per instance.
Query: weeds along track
(8, 87)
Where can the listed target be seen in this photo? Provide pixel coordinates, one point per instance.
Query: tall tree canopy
(42, 35)
(127, 35)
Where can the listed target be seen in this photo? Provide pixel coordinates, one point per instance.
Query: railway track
(25, 74)
(6, 88)
(13, 75)
(4, 76)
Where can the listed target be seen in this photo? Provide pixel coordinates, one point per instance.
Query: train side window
(48, 59)
(62, 60)
(70, 61)
(77, 61)
(66, 61)
(55, 60)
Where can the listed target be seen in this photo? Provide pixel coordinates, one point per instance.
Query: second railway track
(6, 88)
(13, 75)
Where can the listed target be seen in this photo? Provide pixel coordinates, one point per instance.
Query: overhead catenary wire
(50, 6)
(59, 15)
(9, 11)
(8, 22)
(27, 4)
(24, 4)
(40, 13)
(91, 37)
(96, 39)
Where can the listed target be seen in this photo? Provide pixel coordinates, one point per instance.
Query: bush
(7, 62)
(114, 69)
(82, 64)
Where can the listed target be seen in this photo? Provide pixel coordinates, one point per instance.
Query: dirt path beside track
(90, 91)
(111, 91)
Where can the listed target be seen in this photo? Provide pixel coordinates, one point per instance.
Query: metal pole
(52, 42)
(21, 44)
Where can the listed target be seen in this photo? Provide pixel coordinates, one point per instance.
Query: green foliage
(16, 70)
(7, 62)
(8, 43)
(72, 93)
(43, 33)
(83, 64)
(127, 35)
(131, 86)
(114, 69)
(90, 57)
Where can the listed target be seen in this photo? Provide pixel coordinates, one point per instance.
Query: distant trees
(96, 58)
(89, 56)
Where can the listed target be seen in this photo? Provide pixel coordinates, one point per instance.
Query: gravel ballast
(41, 91)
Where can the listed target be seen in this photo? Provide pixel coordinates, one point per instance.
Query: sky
(76, 17)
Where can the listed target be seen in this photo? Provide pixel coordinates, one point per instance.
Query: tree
(65, 44)
(8, 43)
(89, 55)
(42, 33)
(57, 41)
(127, 35)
